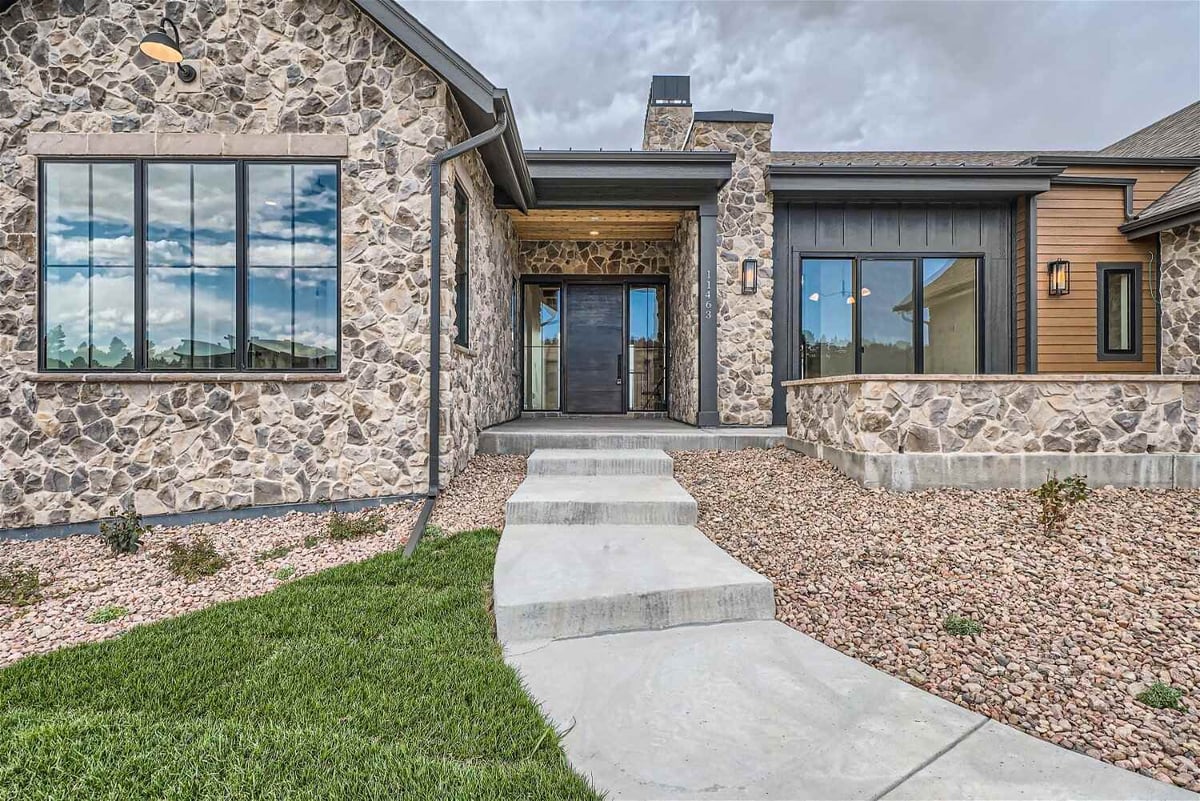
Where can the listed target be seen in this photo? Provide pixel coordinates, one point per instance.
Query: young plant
(343, 527)
(1162, 696)
(284, 573)
(194, 560)
(310, 541)
(107, 614)
(1058, 497)
(961, 626)
(123, 534)
(278, 552)
(20, 586)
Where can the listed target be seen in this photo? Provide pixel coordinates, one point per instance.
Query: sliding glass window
(172, 266)
(541, 334)
(860, 315)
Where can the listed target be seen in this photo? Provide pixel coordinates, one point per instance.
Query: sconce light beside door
(1060, 277)
(749, 276)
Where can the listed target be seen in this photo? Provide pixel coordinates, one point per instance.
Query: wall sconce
(162, 46)
(1060, 277)
(749, 276)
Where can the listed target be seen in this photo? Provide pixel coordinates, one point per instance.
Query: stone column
(707, 286)
(1180, 291)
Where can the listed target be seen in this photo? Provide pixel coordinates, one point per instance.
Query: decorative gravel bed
(80, 576)
(1075, 625)
(476, 497)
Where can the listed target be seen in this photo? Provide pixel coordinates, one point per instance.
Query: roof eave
(897, 182)
(1184, 215)
(1117, 161)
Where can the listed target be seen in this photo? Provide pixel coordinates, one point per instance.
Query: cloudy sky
(852, 75)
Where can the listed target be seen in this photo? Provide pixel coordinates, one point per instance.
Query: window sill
(181, 378)
(465, 351)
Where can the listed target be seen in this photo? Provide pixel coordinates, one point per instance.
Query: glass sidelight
(542, 341)
(647, 348)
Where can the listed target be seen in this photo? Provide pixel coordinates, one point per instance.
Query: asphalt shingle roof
(1177, 135)
(1182, 195)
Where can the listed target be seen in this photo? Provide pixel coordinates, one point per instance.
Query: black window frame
(1103, 271)
(462, 266)
(141, 222)
(918, 277)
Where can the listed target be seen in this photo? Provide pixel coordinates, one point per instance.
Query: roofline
(633, 156)
(1116, 161)
(1184, 215)
(732, 116)
(890, 170)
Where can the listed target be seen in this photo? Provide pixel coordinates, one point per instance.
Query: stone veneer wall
(603, 257)
(666, 127)
(745, 229)
(684, 322)
(1180, 288)
(78, 449)
(997, 415)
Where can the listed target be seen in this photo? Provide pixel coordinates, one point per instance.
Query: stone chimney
(668, 113)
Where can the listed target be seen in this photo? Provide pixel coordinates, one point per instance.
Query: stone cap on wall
(53, 143)
(1040, 378)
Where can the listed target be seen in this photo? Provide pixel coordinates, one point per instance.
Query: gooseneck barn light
(1060, 277)
(162, 46)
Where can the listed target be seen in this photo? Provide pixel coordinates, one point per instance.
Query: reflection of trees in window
(88, 266)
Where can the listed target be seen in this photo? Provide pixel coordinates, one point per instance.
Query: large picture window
(176, 266)
(889, 315)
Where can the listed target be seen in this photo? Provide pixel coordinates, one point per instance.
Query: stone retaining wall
(1045, 422)
(77, 448)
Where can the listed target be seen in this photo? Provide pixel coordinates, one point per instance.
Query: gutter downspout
(435, 318)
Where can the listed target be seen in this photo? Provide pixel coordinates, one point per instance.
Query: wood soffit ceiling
(596, 224)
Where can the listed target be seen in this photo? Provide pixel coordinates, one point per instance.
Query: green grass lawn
(379, 680)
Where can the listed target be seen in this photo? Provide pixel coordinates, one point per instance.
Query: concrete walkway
(661, 655)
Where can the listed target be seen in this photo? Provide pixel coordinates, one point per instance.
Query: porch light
(1060, 277)
(749, 276)
(162, 46)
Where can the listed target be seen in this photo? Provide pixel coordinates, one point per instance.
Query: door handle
(618, 369)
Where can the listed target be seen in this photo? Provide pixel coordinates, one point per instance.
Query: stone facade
(82, 447)
(561, 257)
(745, 229)
(666, 127)
(684, 322)
(1180, 248)
(997, 414)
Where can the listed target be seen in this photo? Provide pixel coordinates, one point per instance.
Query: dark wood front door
(594, 317)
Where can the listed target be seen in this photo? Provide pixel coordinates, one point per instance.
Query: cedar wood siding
(1019, 273)
(1079, 223)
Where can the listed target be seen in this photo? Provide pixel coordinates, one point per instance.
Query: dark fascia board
(1115, 161)
(574, 178)
(1184, 215)
(733, 116)
(917, 182)
(480, 101)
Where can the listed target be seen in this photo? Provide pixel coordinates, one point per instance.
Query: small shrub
(342, 527)
(123, 534)
(1162, 696)
(107, 614)
(20, 586)
(311, 541)
(284, 573)
(194, 560)
(961, 626)
(1058, 497)
(278, 552)
(433, 532)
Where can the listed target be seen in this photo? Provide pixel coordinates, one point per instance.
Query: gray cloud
(861, 75)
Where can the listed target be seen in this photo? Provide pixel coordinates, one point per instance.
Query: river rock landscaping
(1075, 625)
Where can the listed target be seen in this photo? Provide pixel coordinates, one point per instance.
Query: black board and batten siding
(909, 228)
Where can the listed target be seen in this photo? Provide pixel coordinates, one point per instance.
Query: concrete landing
(591, 500)
(553, 582)
(525, 435)
(757, 711)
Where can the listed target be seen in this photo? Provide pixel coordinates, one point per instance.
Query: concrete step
(595, 500)
(587, 462)
(756, 710)
(553, 581)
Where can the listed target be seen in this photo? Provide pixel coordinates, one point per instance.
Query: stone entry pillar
(707, 287)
